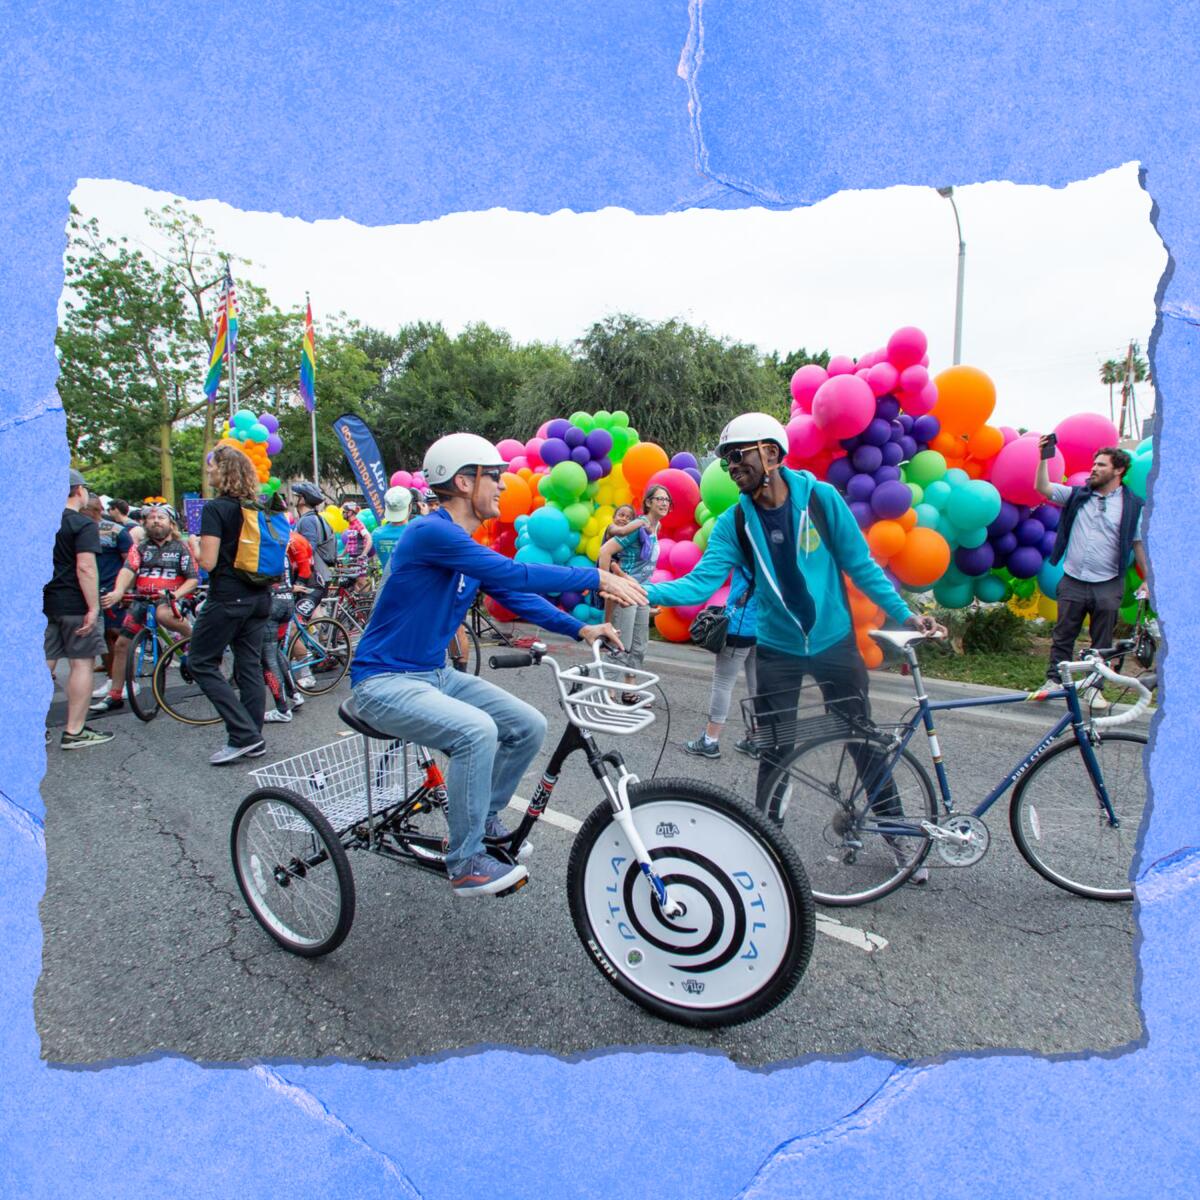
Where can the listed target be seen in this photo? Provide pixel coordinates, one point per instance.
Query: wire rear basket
(334, 777)
(595, 703)
(770, 722)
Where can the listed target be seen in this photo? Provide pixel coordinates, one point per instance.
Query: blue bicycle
(862, 812)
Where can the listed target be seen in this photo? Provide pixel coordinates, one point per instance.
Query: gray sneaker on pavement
(86, 737)
(483, 875)
(703, 748)
(228, 754)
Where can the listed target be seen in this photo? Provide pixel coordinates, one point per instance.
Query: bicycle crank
(961, 839)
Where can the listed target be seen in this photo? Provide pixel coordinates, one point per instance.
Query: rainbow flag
(224, 335)
(308, 363)
(231, 311)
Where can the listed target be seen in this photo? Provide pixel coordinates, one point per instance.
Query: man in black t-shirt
(71, 603)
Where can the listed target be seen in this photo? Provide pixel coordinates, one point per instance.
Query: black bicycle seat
(349, 713)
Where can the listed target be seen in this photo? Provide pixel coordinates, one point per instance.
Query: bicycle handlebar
(517, 658)
(1097, 665)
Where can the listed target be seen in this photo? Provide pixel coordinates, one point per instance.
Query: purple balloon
(569, 599)
(839, 473)
(860, 487)
(573, 437)
(888, 408)
(1048, 543)
(977, 560)
(908, 447)
(599, 442)
(554, 451)
(594, 471)
(893, 453)
(886, 473)
(1030, 532)
(850, 444)
(891, 500)
(582, 455)
(1004, 545)
(271, 422)
(1048, 514)
(906, 422)
(862, 513)
(605, 467)
(1025, 562)
(693, 472)
(558, 428)
(893, 579)
(867, 458)
(1006, 522)
(877, 433)
(926, 428)
(274, 444)
(683, 460)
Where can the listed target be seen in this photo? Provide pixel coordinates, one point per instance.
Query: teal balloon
(956, 477)
(717, 490)
(991, 589)
(972, 537)
(938, 492)
(1048, 577)
(369, 523)
(1144, 446)
(948, 530)
(580, 560)
(1138, 475)
(534, 554)
(927, 516)
(562, 554)
(951, 594)
(549, 528)
(972, 504)
(568, 479)
(243, 419)
(259, 432)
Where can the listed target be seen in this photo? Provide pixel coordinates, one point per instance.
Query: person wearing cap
(71, 605)
(402, 685)
(356, 538)
(397, 505)
(797, 536)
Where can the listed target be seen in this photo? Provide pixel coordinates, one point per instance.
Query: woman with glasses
(402, 684)
(636, 554)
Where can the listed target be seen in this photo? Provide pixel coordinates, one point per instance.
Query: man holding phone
(1099, 532)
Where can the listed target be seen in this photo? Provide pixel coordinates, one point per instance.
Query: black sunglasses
(735, 455)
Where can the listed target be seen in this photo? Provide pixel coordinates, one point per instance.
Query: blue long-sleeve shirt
(426, 596)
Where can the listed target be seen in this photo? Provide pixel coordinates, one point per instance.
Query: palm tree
(1112, 372)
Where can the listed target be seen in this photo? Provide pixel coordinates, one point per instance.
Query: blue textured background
(398, 114)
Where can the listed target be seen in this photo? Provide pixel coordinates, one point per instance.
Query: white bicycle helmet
(456, 451)
(753, 427)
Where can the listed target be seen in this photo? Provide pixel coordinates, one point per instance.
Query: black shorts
(307, 602)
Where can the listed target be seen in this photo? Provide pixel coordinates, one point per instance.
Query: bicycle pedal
(516, 887)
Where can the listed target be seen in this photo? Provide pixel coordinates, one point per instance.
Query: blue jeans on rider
(490, 736)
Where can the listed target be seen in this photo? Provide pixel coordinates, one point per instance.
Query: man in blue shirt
(803, 625)
(397, 507)
(402, 685)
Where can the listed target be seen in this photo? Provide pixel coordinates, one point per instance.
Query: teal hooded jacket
(778, 627)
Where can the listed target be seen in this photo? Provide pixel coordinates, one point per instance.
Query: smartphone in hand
(1049, 446)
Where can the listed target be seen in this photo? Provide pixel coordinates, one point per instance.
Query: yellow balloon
(1047, 608)
(334, 516)
(593, 548)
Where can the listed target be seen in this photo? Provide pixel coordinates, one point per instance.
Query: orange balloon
(672, 626)
(886, 538)
(966, 398)
(641, 461)
(924, 559)
(516, 497)
(973, 468)
(907, 519)
(986, 442)
(872, 655)
(948, 445)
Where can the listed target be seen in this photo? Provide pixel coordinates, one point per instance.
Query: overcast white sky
(1056, 280)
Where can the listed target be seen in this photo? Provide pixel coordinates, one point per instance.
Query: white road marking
(861, 939)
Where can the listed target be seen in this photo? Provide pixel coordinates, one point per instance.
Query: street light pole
(948, 194)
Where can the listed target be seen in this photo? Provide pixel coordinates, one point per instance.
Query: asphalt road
(149, 947)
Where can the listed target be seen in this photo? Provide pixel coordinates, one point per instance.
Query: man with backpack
(797, 536)
(319, 534)
(242, 548)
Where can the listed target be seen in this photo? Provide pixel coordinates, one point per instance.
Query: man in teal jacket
(804, 624)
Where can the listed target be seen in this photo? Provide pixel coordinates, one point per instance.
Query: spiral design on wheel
(702, 878)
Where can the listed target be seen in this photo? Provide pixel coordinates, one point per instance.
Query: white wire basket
(334, 778)
(597, 704)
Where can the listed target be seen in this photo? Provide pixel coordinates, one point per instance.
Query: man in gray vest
(1099, 531)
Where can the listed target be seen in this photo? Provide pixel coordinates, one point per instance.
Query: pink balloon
(1015, 468)
(400, 479)
(843, 406)
(805, 382)
(533, 451)
(906, 347)
(1081, 435)
(510, 448)
(921, 403)
(543, 429)
(862, 372)
(685, 495)
(841, 364)
(661, 576)
(689, 612)
(1078, 479)
(684, 556)
(1008, 433)
(805, 437)
(883, 378)
(914, 379)
(518, 463)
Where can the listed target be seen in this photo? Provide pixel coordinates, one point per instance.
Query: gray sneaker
(228, 754)
(275, 716)
(86, 737)
(746, 747)
(703, 748)
(483, 875)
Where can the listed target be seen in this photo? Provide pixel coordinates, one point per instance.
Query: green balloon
(938, 492)
(702, 513)
(546, 488)
(632, 437)
(991, 589)
(591, 490)
(925, 468)
(1024, 588)
(704, 532)
(568, 479)
(621, 443)
(584, 421)
(603, 419)
(717, 490)
(918, 493)
(1128, 613)
(620, 419)
(578, 515)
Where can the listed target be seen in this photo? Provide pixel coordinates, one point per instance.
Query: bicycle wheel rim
(1061, 828)
(179, 695)
(288, 874)
(851, 856)
(334, 646)
(139, 668)
(739, 936)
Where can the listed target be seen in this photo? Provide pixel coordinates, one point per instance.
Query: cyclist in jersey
(162, 564)
(357, 542)
(402, 685)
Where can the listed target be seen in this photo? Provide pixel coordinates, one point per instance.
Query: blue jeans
(490, 736)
